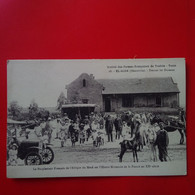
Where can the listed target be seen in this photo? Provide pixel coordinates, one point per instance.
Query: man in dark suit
(109, 128)
(162, 142)
(118, 124)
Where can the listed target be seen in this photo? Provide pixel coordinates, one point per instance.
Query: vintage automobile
(32, 152)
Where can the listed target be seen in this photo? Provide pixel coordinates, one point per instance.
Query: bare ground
(109, 152)
(87, 153)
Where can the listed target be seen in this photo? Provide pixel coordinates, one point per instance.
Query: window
(84, 83)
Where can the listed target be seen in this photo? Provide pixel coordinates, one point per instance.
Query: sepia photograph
(68, 118)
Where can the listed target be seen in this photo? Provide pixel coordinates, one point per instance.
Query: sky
(44, 80)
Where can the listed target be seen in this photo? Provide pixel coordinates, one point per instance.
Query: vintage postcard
(76, 118)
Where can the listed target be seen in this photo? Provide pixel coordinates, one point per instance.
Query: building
(111, 95)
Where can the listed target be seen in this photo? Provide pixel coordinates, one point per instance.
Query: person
(162, 141)
(42, 125)
(109, 128)
(118, 126)
(101, 122)
(94, 137)
(92, 117)
(71, 128)
(143, 118)
(126, 133)
(58, 126)
(45, 139)
(38, 133)
(86, 120)
(73, 131)
(64, 131)
(182, 115)
(156, 127)
(77, 118)
(82, 133)
(48, 128)
(13, 151)
(87, 130)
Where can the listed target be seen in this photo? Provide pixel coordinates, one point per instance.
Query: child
(45, 139)
(82, 134)
(94, 137)
(13, 155)
(87, 130)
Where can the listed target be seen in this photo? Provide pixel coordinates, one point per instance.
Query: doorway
(107, 105)
(158, 101)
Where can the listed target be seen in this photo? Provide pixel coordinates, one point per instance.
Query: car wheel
(47, 155)
(33, 158)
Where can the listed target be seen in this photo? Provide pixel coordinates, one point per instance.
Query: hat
(37, 122)
(138, 120)
(161, 123)
(49, 118)
(14, 145)
(66, 119)
(136, 116)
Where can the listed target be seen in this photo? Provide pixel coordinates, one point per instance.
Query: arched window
(84, 83)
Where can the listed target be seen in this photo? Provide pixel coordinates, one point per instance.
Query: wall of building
(92, 91)
(171, 100)
(142, 100)
(85, 87)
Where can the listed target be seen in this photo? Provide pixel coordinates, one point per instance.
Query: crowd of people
(100, 128)
(97, 128)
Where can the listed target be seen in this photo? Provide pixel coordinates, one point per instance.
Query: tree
(61, 100)
(14, 110)
(33, 110)
(43, 114)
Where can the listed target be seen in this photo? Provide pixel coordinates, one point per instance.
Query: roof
(78, 105)
(139, 85)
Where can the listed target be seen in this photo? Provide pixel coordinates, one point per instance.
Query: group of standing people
(137, 126)
(126, 125)
(78, 130)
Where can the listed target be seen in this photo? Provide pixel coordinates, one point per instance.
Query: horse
(151, 142)
(142, 136)
(138, 129)
(171, 126)
(131, 143)
(126, 144)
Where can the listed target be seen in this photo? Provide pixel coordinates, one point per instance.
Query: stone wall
(85, 89)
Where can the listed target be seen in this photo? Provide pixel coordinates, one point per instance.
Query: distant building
(119, 94)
